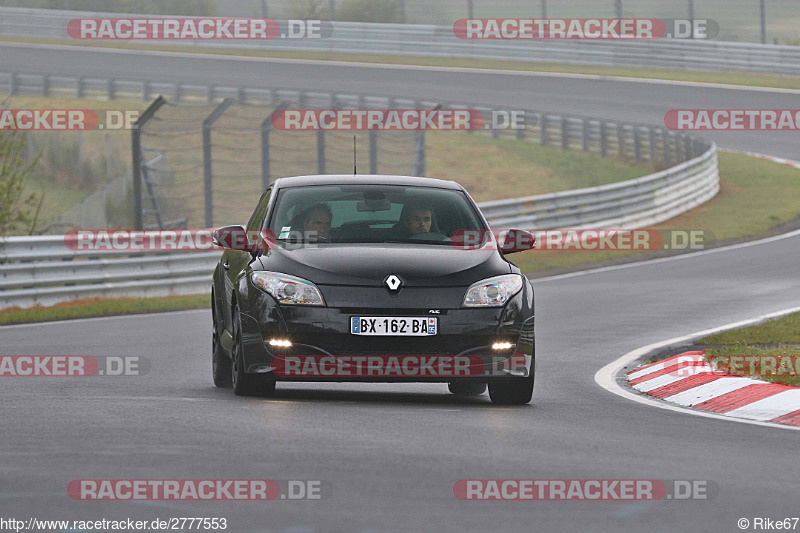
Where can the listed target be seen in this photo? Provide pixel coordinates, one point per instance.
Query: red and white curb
(690, 381)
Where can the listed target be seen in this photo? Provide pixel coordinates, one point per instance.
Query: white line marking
(115, 317)
(689, 255)
(147, 398)
(321, 62)
(606, 376)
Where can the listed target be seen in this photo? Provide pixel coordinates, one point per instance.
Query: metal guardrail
(44, 271)
(431, 41)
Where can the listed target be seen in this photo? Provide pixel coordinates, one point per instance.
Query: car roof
(365, 179)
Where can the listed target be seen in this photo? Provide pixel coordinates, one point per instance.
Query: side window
(257, 220)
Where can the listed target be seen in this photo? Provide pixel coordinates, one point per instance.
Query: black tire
(466, 388)
(220, 360)
(512, 390)
(245, 384)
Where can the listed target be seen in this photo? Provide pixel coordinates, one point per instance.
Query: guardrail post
(495, 131)
(208, 175)
(266, 126)
(111, 84)
(637, 143)
(79, 87)
(543, 129)
(584, 135)
(688, 148)
(603, 139)
(564, 134)
(320, 152)
(45, 85)
(136, 153)
(651, 140)
(12, 83)
(145, 90)
(373, 151)
(520, 133)
(678, 149)
(666, 149)
(621, 141)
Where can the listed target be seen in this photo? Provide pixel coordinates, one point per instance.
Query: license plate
(407, 326)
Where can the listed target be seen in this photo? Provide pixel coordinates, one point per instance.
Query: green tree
(14, 171)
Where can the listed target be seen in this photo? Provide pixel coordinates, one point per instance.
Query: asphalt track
(393, 452)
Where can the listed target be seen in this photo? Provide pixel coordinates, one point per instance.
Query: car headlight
(288, 289)
(493, 292)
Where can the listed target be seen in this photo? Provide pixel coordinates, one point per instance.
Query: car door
(236, 263)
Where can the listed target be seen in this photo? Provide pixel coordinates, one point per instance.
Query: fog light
(280, 342)
(502, 346)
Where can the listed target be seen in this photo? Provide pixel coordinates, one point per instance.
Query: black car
(371, 278)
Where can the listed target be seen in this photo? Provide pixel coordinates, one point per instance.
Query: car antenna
(355, 169)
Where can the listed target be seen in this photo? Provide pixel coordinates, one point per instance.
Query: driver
(416, 218)
(419, 220)
(317, 222)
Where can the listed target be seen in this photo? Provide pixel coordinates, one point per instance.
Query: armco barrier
(44, 271)
(439, 41)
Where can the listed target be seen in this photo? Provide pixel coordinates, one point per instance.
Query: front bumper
(323, 333)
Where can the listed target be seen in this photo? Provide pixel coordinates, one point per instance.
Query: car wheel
(245, 384)
(220, 362)
(512, 391)
(466, 388)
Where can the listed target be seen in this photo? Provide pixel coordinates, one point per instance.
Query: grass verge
(776, 331)
(490, 168)
(94, 307)
(769, 351)
(728, 78)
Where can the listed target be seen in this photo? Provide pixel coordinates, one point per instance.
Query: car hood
(370, 264)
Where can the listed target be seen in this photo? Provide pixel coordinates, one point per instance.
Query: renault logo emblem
(393, 282)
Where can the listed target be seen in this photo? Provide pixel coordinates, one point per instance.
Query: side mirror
(515, 240)
(233, 238)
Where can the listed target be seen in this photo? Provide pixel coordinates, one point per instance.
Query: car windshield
(371, 214)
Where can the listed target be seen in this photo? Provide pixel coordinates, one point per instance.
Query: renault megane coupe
(371, 278)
